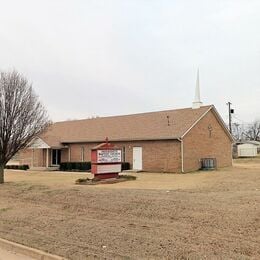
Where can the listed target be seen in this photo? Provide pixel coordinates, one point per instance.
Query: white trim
(38, 143)
(232, 155)
(196, 122)
(32, 157)
(82, 153)
(140, 154)
(47, 157)
(220, 120)
(182, 155)
(51, 157)
(69, 154)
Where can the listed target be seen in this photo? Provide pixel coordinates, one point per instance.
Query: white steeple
(197, 103)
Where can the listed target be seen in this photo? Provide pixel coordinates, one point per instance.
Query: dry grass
(202, 215)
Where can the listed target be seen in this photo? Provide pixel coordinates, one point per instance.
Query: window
(69, 154)
(123, 154)
(82, 153)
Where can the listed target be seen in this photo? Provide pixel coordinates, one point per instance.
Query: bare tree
(253, 132)
(22, 116)
(237, 131)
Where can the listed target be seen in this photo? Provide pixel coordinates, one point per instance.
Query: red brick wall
(75, 152)
(64, 155)
(161, 156)
(40, 157)
(33, 157)
(199, 144)
(25, 157)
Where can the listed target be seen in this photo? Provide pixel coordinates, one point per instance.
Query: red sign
(106, 161)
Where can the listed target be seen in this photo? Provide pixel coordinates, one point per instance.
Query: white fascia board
(38, 143)
(220, 120)
(196, 122)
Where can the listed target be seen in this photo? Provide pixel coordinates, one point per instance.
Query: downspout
(232, 160)
(182, 153)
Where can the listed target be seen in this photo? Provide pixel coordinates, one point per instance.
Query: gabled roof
(257, 143)
(168, 124)
(38, 143)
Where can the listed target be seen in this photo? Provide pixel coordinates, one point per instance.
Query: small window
(123, 154)
(69, 154)
(82, 154)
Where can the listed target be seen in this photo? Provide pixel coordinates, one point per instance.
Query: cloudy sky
(100, 57)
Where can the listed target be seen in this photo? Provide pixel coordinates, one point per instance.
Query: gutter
(120, 140)
(182, 155)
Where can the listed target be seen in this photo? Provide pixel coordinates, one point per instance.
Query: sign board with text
(109, 156)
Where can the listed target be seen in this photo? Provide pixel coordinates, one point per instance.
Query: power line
(245, 123)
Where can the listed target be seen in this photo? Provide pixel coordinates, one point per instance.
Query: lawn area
(200, 215)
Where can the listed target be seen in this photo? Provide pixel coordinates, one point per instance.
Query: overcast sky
(109, 57)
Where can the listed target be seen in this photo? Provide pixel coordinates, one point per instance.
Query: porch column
(69, 155)
(47, 157)
(33, 157)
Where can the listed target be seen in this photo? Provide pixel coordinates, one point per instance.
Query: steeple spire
(197, 103)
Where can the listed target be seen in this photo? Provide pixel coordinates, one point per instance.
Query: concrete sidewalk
(8, 255)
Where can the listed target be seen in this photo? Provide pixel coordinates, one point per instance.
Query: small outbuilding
(255, 143)
(247, 150)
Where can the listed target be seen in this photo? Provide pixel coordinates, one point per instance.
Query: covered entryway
(137, 158)
(40, 156)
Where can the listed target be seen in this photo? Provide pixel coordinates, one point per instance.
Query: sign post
(106, 160)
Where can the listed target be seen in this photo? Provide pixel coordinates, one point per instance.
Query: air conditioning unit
(208, 163)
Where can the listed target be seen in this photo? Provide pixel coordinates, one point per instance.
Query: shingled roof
(168, 124)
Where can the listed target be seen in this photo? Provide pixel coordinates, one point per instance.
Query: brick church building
(165, 141)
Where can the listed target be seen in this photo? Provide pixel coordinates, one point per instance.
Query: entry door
(137, 158)
(56, 155)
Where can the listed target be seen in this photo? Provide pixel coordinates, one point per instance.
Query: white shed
(256, 143)
(246, 150)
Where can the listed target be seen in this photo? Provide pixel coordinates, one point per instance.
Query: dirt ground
(201, 215)
(8, 255)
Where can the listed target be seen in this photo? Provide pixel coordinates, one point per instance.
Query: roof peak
(134, 114)
(160, 125)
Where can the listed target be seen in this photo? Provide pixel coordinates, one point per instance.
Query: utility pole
(230, 111)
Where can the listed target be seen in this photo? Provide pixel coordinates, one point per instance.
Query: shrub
(75, 166)
(23, 167)
(125, 166)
